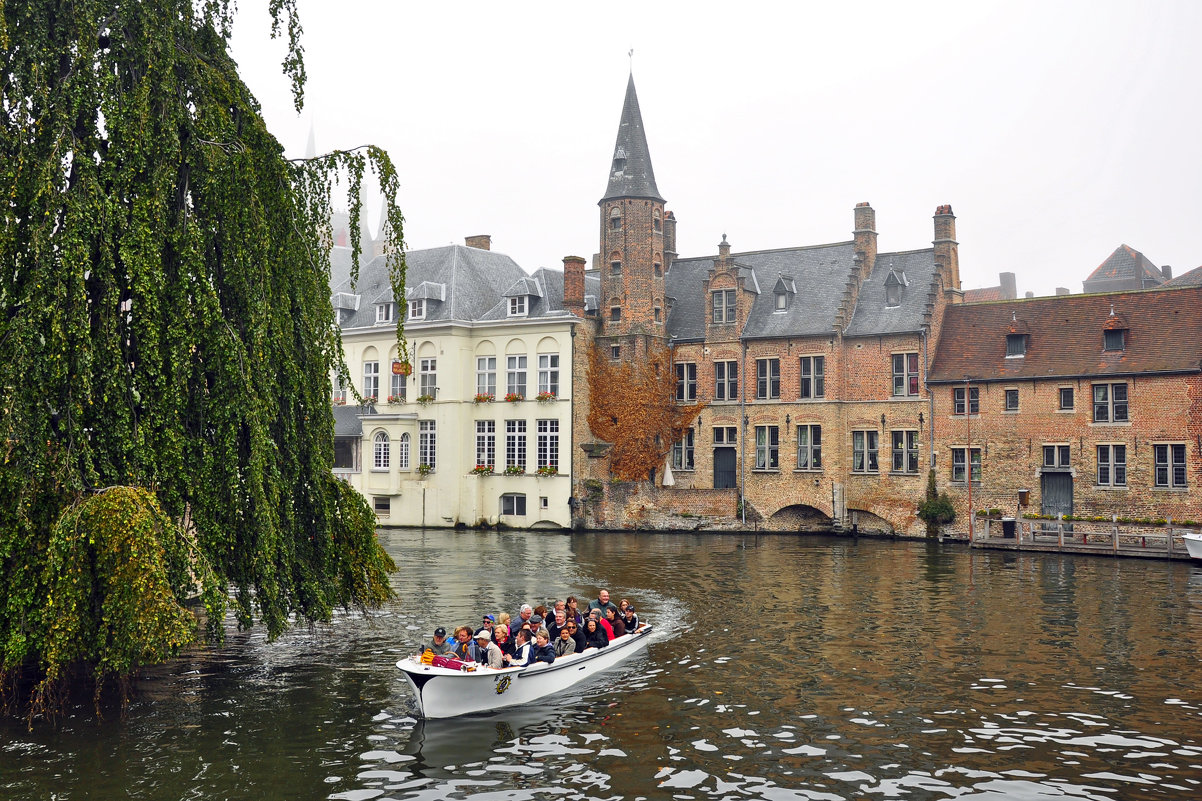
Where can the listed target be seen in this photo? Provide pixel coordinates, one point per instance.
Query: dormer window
(894, 283)
(784, 289)
(615, 219)
(1016, 346)
(383, 313)
(1114, 340)
(417, 309)
(893, 295)
(517, 306)
(782, 301)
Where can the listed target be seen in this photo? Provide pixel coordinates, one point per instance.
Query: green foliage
(165, 323)
(936, 508)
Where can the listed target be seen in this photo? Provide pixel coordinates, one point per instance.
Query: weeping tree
(166, 344)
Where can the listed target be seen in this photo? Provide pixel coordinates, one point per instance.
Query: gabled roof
(467, 282)
(630, 173)
(524, 287)
(1125, 264)
(544, 291)
(1065, 336)
(1191, 278)
(873, 316)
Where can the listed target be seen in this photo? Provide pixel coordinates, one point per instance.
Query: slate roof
(630, 173)
(544, 297)
(819, 274)
(472, 280)
(1191, 278)
(347, 422)
(1124, 264)
(1164, 335)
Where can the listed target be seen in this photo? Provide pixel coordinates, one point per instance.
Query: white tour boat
(446, 693)
(1193, 544)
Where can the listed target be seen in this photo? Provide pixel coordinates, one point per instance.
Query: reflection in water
(782, 668)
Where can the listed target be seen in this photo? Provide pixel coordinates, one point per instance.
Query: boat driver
(439, 644)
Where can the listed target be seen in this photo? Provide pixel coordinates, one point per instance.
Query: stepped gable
(460, 283)
(819, 273)
(873, 314)
(1066, 335)
(630, 173)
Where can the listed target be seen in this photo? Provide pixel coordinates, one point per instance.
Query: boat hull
(445, 693)
(1193, 545)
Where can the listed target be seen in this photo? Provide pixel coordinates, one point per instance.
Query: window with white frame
(383, 313)
(959, 455)
(767, 378)
(682, 451)
(486, 375)
(517, 306)
(864, 451)
(809, 447)
(340, 390)
(417, 309)
(726, 381)
(1057, 457)
(905, 374)
(428, 377)
(813, 378)
(723, 306)
(767, 448)
(427, 444)
(381, 451)
(400, 385)
(548, 373)
(513, 504)
(486, 443)
(548, 444)
(371, 381)
(1110, 403)
(1112, 465)
(1169, 465)
(402, 452)
(686, 382)
(346, 454)
(515, 375)
(515, 443)
(905, 451)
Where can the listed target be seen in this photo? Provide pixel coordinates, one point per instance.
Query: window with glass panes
(486, 375)
(726, 435)
(1169, 465)
(864, 447)
(1011, 400)
(1112, 465)
(1110, 403)
(723, 309)
(1056, 456)
(548, 443)
(402, 452)
(381, 451)
(513, 503)
(813, 381)
(515, 443)
(400, 386)
(686, 381)
(767, 378)
(682, 451)
(515, 375)
(371, 380)
(959, 455)
(486, 443)
(548, 373)
(767, 447)
(905, 451)
(726, 381)
(427, 377)
(427, 443)
(809, 447)
(905, 374)
(974, 400)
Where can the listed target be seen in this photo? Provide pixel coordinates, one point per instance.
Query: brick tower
(631, 262)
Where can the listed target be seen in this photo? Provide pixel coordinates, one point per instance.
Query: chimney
(1061, 290)
(865, 239)
(669, 240)
(724, 249)
(479, 241)
(1009, 286)
(947, 256)
(1167, 272)
(573, 285)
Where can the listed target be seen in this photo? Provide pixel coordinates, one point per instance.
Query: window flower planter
(545, 397)
(424, 470)
(483, 470)
(485, 397)
(514, 397)
(340, 401)
(396, 400)
(425, 400)
(515, 470)
(548, 470)
(368, 400)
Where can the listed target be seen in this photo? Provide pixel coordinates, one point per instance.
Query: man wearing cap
(487, 625)
(490, 654)
(602, 602)
(439, 644)
(631, 620)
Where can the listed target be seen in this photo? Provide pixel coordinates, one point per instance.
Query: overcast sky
(1056, 130)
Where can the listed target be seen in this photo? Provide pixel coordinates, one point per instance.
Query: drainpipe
(572, 430)
(743, 438)
(968, 452)
(930, 400)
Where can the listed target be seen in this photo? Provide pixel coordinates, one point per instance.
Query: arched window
(402, 456)
(615, 218)
(381, 451)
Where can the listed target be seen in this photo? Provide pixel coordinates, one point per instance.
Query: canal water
(783, 668)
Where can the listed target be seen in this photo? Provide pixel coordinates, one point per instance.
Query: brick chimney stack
(724, 250)
(865, 238)
(573, 285)
(947, 257)
(1009, 286)
(480, 241)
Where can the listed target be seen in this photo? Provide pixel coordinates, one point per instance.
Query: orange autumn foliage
(633, 406)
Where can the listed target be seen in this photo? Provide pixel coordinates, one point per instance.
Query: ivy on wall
(166, 329)
(632, 404)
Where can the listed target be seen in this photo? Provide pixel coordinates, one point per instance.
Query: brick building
(812, 359)
(1091, 402)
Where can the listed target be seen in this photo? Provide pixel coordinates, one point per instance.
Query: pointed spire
(630, 174)
(311, 147)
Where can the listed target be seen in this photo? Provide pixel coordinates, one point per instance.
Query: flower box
(484, 397)
(425, 400)
(545, 397)
(425, 469)
(483, 469)
(514, 397)
(548, 470)
(396, 399)
(340, 401)
(515, 470)
(369, 400)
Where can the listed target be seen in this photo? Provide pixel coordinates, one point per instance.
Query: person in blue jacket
(542, 651)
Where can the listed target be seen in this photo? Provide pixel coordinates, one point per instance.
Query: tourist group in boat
(535, 634)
